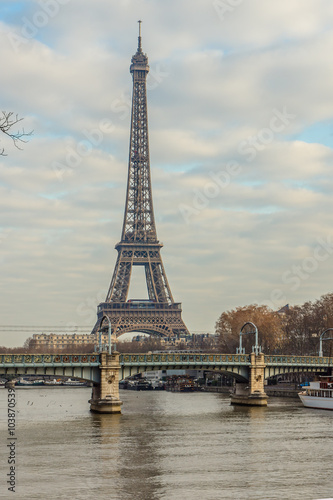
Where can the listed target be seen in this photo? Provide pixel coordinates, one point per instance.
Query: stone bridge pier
(252, 393)
(105, 396)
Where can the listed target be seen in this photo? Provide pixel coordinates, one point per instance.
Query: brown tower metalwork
(139, 245)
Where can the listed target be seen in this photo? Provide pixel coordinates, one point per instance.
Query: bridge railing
(160, 358)
(184, 358)
(298, 360)
(49, 359)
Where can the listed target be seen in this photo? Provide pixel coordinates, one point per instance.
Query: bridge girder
(273, 371)
(79, 373)
(240, 373)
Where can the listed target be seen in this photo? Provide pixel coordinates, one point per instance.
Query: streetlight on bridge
(321, 341)
(256, 348)
(100, 345)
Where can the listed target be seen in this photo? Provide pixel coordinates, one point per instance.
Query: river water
(171, 446)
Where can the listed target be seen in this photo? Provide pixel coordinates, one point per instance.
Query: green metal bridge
(87, 366)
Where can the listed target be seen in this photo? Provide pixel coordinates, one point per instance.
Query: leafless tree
(7, 121)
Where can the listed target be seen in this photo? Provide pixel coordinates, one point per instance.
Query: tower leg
(105, 397)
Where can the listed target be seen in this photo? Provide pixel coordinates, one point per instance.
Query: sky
(240, 135)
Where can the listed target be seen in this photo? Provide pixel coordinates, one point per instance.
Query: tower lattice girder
(147, 255)
(139, 245)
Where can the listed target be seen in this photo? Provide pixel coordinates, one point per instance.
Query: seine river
(165, 445)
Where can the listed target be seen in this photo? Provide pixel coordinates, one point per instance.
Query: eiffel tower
(139, 246)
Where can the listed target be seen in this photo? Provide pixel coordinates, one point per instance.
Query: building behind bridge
(58, 341)
(54, 341)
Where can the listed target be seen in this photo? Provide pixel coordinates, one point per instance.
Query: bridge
(105, 370)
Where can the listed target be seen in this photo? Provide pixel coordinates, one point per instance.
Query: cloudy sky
(241, 124)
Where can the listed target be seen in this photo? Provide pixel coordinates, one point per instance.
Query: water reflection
(128, 465)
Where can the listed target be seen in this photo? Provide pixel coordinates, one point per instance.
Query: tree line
(292, 330)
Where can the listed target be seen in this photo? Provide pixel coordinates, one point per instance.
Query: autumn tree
(294, 331)
(268, 322)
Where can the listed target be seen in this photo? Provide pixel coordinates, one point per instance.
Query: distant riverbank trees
(292, 330)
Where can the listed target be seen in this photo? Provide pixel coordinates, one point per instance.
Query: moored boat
(53, 382)
(318, 394)
(136, 385)
(29, 382)
(181, 383)
(74, 383)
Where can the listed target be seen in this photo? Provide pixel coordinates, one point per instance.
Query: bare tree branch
(7, 121)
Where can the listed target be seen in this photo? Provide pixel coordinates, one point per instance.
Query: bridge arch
(233, 365)
(289, 370)
(74, 366)
(141, 369)
(23, 372)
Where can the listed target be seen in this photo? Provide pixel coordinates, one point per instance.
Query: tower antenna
(139, 39)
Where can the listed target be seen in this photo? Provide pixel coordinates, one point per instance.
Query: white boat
(319, 394)
(53, 382)
(74, 382)
(23, 382)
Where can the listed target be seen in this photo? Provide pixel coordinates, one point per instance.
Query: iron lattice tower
(139, 245)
